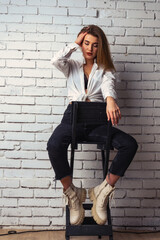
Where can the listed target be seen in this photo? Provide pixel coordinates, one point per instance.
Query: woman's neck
(89, 62)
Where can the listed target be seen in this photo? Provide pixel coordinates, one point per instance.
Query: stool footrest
(88, 230)
(87, 206)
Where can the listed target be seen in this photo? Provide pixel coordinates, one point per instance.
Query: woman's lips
(89, 54)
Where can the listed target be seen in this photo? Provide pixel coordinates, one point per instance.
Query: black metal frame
(90, 113)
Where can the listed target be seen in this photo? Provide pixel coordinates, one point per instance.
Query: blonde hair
(104, 59)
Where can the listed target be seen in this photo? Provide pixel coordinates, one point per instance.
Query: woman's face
(90, 47)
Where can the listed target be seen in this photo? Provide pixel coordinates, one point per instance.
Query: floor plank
(60, 235)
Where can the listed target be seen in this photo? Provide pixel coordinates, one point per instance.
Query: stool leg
(110, 237)
(67, 237)
(67, 222)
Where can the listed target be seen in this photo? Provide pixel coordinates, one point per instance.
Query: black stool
(90, 113)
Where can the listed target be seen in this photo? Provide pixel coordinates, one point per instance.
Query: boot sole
(83, 195)
(83, 198)
(92, 197)
(81, 219)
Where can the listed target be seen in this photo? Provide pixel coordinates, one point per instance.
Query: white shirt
(100, 83)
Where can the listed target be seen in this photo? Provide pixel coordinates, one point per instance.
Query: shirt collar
(83, 61)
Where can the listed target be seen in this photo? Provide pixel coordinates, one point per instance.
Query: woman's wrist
(110, 99)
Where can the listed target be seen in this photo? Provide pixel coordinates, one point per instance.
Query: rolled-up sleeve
(108, 85)
(61, 58)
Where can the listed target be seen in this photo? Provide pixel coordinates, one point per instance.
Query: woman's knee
(132, 144)
(54, 144)
(58, 141)
(50, 145)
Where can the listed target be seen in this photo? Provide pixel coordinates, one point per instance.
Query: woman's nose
(90, 48)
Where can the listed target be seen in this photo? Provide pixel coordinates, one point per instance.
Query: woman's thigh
(62, 136)
(118, 137)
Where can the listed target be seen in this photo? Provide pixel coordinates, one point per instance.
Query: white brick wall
(33, 99)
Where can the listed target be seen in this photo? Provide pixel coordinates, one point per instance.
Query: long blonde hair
(104, 59)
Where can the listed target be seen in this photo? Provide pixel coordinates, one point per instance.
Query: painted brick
(36, 221)
(4, 2)
(33, 202)
(21, 28)
(152, 6)
(126, 23)
(37, 19)
(66, 20)
(139, 212)
(20, 64)
(151, 58)
(20, 82)
(37, 91)
(130, 5)
(51, 3)
(53, 11)
(129, 40)
(148, 203)
(8, 202)
(3, 27)
(11, 72)
(19, 136)
(19, 100)
(47, 212)
(33, 146)
(34, 164)
(152, 41)
(141, 193)
(10, 18)
(9, 183)
(6, 145)
(140, 14)
(71, 3)
(22, 46)
(141, 50)
(36, 55)
(9, 221)
(126, 203)
(41, 37)
(141, 85)
(95, 4)
(10, 127)
(97, 21)
(47, 193)
(47, 173)
(18, 193)
(19, 154)
(20, 118)
(35, 183)
(3, 9)
(20, 212)
(19, 173)
(140, 32)
(18, 2)
(22, 10)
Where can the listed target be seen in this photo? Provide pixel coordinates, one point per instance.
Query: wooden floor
(60, 235)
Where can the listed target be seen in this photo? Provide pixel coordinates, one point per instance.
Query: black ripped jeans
(61, 138)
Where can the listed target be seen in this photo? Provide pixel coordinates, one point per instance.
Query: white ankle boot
(100, 195)
(75, 197)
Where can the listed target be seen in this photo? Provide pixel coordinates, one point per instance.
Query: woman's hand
(80, 38)
(113, 111)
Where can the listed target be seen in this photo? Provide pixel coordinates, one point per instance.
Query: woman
(90, 80)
